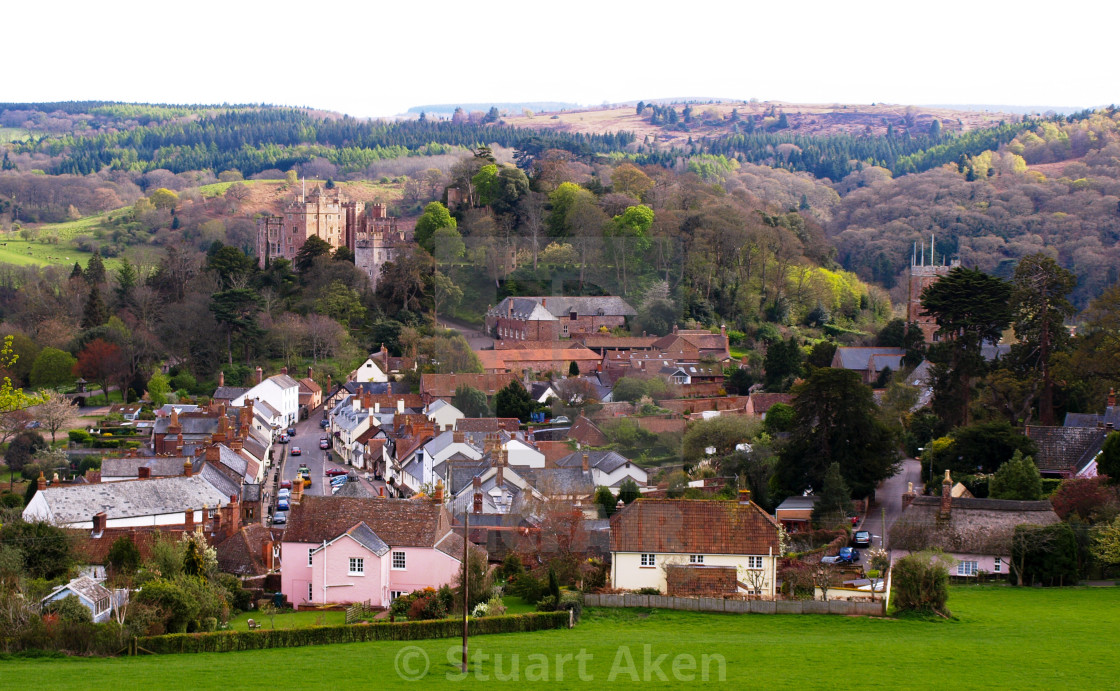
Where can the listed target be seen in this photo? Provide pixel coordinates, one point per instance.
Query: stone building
(366, 230)
(553, 318)
(922, 276)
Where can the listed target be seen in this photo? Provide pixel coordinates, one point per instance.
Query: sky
(380, 58)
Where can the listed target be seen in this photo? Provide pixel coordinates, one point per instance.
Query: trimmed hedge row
(227, 641)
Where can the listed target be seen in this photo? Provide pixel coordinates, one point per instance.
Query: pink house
(343, 549)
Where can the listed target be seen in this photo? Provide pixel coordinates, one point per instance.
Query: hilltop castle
(365, 229)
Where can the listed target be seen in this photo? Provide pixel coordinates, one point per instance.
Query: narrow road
(888, 497)
(477, 339)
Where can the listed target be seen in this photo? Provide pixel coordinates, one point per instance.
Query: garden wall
(713, 604)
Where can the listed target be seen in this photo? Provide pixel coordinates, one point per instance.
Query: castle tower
(922, 276)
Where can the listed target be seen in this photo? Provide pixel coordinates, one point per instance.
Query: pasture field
(998, 636)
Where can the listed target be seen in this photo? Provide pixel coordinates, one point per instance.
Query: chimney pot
(744, 496)
(437, 497)
(144, 472)
(99, 520)
(1112, 398)
(188, 469)
(309, 371)
(260, 375)
(478, 502)
(221, 378)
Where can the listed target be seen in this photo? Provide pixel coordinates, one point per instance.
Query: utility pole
(466, 575)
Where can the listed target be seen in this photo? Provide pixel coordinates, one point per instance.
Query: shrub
(1044, 554)
(528, 587)
(228, 641)
(70, 610)
(546, 604)
(921, 582)
(571, 602)
(79, 436)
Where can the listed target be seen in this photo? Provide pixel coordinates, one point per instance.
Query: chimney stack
(221, 378)
(188, 523)
(310, 371)
(586, 464)
(188, 469)
(946, 495)
(99, 521)
(500, 478)
(458, 437)
(260, 375)
(328, 384)
(41, 482)
(144, 472)
(437, 497)
(284, 370)
(744, 496)
(400, 406)
(377, 407)
(477, 494)
(1112, 398)
(213, 453)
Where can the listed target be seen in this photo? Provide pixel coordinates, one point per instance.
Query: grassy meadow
(999, 636)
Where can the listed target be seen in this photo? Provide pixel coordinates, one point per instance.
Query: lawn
(289, 620)
(1015, 638)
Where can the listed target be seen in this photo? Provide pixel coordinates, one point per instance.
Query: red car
(335, 472)
(296, 451)
(324, 443)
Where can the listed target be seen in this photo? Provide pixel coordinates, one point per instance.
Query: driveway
(888, 497)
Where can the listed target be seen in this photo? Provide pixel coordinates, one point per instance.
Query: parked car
(847, 556)
(324, 423)
(286, 485)
(338, 481)
(861, 538)
(283, 438)
(291, 431)
(296, 451)
(334, 472)
(284, 494)
(324, 443)
(280, 518)
(34, 424)
(282, 505)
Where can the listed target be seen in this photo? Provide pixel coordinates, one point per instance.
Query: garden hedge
(227, 641)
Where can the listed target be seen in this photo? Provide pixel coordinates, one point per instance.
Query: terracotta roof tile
(684, 526)
(398, 522)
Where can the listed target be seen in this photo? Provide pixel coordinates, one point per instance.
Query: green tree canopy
(46, 548)
(513, 401)
(313, 247)
(53, 369)
(1018, 478)
(836, 421)
(435, 216)
(470, 401)
(833, 502)
(1041, 298)
(722, 433)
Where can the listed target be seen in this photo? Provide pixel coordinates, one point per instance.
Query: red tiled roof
(585, 432)
(398, 522)
(686, 526)
(487, 424)
(763, 401)
(444, 385)
(553, 450)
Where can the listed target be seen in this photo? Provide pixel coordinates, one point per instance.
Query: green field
(289, 620)
(1000, 637)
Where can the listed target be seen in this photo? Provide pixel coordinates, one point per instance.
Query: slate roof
(161, 466)
(535, 308)
(354, 490)
(398, 522)
(376, 387)
(558, 481)
(284, 381)
(228, 393)
(686, 526)
(1065, 449)
(78, 503)
(191, 423)
(861, 358)
(974, 526)
(364, 536)
(606, 461)
(444, 385)
(1111, 415)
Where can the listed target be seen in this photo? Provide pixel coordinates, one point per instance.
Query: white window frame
(310, 555)
(648, 561)
(403, 561)
(357, 566)
(696, 559)
(966, 568)
(754, 563)
(310, 592)
(394, 594)
(998, 567)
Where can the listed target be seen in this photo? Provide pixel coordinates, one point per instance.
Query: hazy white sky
(379, 58)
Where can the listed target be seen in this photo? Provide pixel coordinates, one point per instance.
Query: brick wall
(700, 581)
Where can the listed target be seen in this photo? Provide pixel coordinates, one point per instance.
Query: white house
(522, 454)
(651, 536)
(348, 422)
(280, 392)
(370, 370)
(443, 414)
(95, 597)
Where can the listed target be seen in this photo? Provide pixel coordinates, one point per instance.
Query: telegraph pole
(466, 578)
